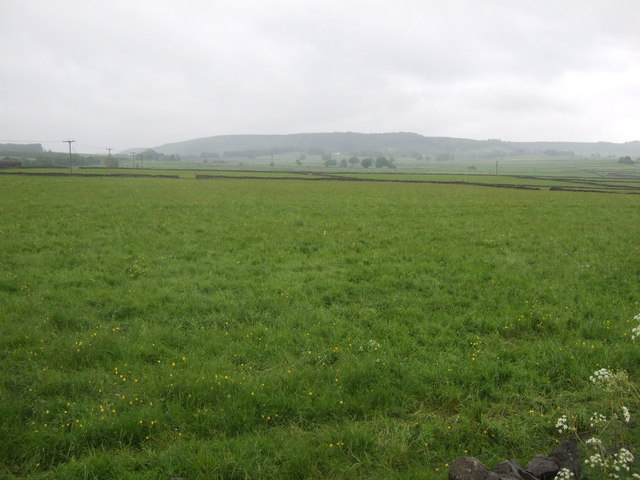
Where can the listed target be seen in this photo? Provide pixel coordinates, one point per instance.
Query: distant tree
(384, 162)
(343, 163)
(299, 162)
(354, 160)
(626, 160)
(326, 157)
(332, 162)
(366, 162)
(7, 162)
(150, 154)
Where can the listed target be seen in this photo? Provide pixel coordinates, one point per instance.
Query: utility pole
(109, 150)
(70, 161)
(133, 159)
(496, 167)
(141, 161)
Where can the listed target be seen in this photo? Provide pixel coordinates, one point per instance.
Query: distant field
(574, 175)
(536, 165)
(247, 328)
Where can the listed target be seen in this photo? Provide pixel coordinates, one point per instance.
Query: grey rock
(543, 467)
(511, 470)
(470, 468)
(567, 455)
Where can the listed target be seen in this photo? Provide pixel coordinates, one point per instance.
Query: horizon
(49, 145)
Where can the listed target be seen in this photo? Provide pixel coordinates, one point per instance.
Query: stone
(567, 455)
(511, 470)
(543, 467)
(470, 468)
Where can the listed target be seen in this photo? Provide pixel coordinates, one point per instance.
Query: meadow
(244, 328)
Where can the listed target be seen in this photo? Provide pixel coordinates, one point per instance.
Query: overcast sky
(140, 73)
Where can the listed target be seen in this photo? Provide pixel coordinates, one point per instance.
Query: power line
(70, 161)
(87, 145)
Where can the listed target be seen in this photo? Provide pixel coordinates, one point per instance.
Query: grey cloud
(149, 72)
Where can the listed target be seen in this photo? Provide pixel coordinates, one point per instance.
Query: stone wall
(541, 467)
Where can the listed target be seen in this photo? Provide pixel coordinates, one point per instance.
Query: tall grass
(155, 328)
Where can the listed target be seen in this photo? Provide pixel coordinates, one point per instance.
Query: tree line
(368, 162)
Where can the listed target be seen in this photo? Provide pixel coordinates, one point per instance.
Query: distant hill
(398, 144)
(20, 149)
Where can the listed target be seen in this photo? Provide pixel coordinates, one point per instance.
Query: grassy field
(234, 329)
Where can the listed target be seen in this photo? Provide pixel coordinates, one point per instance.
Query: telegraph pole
(109, 150)
(133, 159)
(70, 161)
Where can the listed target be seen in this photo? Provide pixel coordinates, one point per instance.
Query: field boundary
(376, 180)
(575, 185)
(61, 174)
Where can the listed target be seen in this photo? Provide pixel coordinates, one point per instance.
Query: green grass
(256, 329)
(574, 173)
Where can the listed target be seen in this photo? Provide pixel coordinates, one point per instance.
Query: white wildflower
(597, 419)
(625, 455)
(594, 442)
(622, 460)
(561, 424)
(564, 474)
(635, 332)
(626, 415)
(604, 376)
(596, 461)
